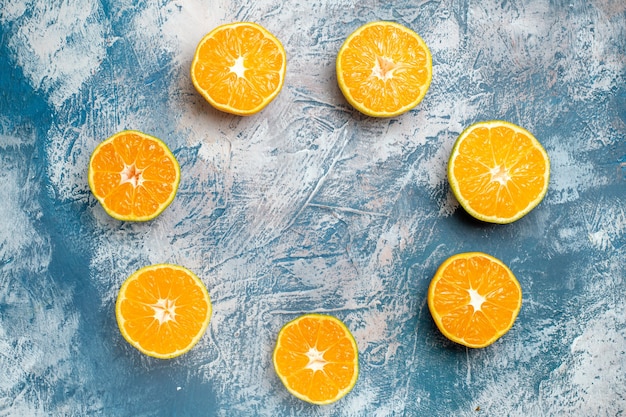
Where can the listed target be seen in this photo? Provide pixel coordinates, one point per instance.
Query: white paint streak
(19, 235)
(570, 176)
(605, 222)
(57, 46)
(595, 368)
(37, 324)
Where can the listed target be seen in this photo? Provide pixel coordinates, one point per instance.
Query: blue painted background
(310, 206)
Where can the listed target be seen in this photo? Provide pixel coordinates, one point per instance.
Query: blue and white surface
(310, 206)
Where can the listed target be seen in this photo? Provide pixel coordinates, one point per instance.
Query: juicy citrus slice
(474, 299)
(498, 171)
(163, 310)
(133, 175)
(239, 68)
(384, 69)
(316, 358)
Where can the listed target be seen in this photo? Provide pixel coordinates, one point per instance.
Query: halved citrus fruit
(474, 299)
(133, 175)
(239, 68)
(498, 171)
(316, 358)
(163, 310)
(384, 69)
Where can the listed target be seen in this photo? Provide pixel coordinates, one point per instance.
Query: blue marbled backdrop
(310, 206)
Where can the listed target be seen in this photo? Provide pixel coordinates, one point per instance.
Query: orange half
(384, 69)
(133, 175)
(474, 299)
(163, 310)
(316, 358)
(498, 171)
(239, 68)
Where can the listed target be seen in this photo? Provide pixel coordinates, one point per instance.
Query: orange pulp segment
(498, 171)
(133, 175)
(163, 310)
(384, 69)
(316, 358)
(239, 68)
(474, 299)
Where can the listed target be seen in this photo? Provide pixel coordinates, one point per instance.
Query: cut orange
(474, 299)
(316, 358)
(239, 68)
(498, 171)
(163, 310)
(384, 69)
(133, 175)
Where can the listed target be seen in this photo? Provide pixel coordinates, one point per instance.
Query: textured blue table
(310, 207)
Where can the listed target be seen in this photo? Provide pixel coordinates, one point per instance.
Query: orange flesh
(238, 67)
(474, 300)
(499, 171)
(133, 175)
(316, 359)
(385, 69)
(163, 310)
